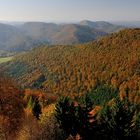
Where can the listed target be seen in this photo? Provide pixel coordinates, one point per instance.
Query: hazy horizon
(69, 10)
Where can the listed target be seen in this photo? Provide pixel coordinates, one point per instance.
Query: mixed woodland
(73, 92)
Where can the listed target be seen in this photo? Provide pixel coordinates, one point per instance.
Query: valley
(5, 59)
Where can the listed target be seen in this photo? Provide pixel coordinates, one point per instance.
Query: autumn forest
(81, 91)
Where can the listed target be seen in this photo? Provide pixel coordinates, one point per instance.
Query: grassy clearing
(5, 59)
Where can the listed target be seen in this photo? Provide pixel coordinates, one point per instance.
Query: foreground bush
(11, 110)
(30, 129)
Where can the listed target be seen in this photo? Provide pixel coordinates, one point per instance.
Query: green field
(5, 59)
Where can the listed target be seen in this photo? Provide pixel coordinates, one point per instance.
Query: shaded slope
(72, 33)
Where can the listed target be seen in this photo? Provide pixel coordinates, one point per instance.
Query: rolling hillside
(76, 34)
(60, 34)
(113, 60)
(33, 34)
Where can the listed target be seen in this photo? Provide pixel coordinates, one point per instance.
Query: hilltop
(102, 26)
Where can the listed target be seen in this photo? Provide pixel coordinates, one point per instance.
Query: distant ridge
(102, 26)
(28, 35)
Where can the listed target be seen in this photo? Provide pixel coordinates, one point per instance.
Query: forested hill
(113, 60)
(28, 35)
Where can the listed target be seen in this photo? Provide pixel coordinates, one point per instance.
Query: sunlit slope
(113, 60)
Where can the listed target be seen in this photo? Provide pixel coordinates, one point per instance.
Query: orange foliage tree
(11, 109)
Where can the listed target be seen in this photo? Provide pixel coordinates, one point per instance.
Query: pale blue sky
(69, 10)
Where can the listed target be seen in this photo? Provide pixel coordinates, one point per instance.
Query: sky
(69, 10)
